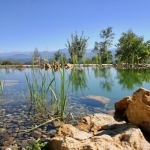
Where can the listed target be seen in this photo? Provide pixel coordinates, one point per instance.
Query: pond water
(111, 83)
(90, 90)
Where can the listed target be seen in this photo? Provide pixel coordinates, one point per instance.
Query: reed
(61, 98)
(38, 86)
(7, 68)
(41, 86)
(1, 88)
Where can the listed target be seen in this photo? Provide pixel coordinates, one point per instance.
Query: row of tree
(130, 49)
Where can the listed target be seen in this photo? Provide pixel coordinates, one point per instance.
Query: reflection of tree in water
(105, 75)
(129, 78)
(78, 79)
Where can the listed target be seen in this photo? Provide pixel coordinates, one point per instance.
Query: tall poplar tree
(102, 47)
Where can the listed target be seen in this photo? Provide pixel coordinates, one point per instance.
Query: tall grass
(61, 97)
(1, 88)
(38, 86)
(41, 86)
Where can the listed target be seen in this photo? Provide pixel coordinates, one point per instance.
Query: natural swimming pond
(90, 90)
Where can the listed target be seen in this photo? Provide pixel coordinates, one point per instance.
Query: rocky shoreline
(105, 132)
(69, 66)
(99, 132)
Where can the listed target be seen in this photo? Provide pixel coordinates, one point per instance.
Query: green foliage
(1, 88)
(36, 53)
(38, 145)
(38, 86)
(58, 56)
(62, 97)
(8, 62)
(77, 47)
(101, 48)
(131, 48)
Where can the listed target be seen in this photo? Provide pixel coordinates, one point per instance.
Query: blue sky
(47, 24)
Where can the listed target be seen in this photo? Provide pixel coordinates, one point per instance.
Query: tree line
(130, 49)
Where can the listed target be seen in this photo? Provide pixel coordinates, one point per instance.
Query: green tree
(101, 48)
(57, 56)
(36, 57)
(36, 53)
(146, 52)
(77, 47)
(132, 49)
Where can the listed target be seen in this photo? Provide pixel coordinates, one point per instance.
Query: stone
(6, 143)
(8, 149)
(111, 135)
(68, 66)
(121, 107)
(57, 123)
(73, 132)
(95, 122)
(47, 65)
(135, 109)
(36, 134)
(10, 139)
(111, 112)
(138, 112)
(93, 100)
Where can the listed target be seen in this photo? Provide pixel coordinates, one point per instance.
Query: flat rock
(93, 100)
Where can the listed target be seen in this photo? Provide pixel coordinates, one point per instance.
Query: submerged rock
(99, 132)
(93, 100)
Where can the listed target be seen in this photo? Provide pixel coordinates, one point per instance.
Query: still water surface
(110, 83)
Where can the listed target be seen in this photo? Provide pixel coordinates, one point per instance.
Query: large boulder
(135, 109)
(108, 134)
(138, 111)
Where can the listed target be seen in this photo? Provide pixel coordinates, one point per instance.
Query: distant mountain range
(46, 54)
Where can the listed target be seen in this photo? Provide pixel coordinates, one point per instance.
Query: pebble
(16, 120)
(36, 134)
(8, 149)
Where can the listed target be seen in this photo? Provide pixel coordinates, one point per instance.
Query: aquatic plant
(41, 86)
(61, 97)
(38, 85)
(1, 88)
(38, 145)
